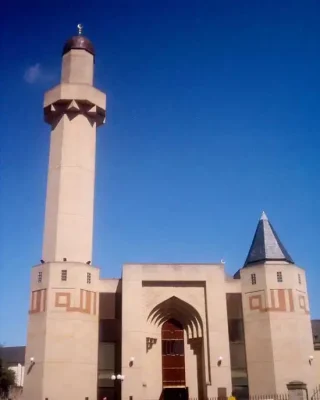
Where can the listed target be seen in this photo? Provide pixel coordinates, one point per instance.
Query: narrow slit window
(39, 276)
(253, 279)
(88, 277)
(279, 277)
(64, 275)
(299, 279)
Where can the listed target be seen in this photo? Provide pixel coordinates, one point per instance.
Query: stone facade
(92, 338)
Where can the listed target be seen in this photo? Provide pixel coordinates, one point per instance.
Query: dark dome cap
(78, 42)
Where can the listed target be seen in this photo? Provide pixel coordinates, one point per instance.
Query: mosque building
(161, 330)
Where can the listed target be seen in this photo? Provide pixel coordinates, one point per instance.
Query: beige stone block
(77, 67)
(73, 91)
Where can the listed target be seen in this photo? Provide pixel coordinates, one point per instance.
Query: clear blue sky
(213, 116)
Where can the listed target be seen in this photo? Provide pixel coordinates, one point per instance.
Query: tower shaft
(70, 191)
(74, 109)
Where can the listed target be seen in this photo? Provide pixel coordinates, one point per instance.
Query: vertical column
(258, 336)
(220, 370)
(70, 190)
(133, 332)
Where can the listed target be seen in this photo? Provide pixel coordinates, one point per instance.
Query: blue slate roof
(266, 245)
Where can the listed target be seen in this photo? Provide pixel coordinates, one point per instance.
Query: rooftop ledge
(71, 91)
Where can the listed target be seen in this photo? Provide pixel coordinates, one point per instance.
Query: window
(299, 279)
(106, 364)
(40, 277)
(236, 331)
(172, 347)
(279, 277)
(253, 279)
(238, 360)
(234, 306)
(88, 277)
(64, 275)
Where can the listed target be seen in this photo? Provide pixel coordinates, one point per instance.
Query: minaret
(276, 316)
(74, 109)
(62, 344)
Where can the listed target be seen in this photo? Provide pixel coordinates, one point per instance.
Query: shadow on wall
(30, 368)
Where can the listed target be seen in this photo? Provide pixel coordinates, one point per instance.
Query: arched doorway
(173, 361)
(188, 324)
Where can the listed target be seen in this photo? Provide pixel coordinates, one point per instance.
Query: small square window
(40, 277)
(253, 279)
(299, 279)
(88, 277)
(279, 277)
(64, 275)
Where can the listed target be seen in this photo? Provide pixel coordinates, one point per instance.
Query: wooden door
(173, 363)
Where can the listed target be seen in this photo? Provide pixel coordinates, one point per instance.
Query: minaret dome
(78, 42)
(78, 60)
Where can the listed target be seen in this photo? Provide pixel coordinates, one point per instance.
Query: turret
(276, 315)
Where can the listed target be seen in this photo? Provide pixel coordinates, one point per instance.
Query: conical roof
(266, 245)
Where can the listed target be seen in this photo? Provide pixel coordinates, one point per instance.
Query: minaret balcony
(73, 99)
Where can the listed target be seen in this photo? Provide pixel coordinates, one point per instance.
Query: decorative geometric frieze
(150, 342)
(38, 301)
(196, 345)
(92, 111)
(72, 108)
(274, 300)
(88, 302)
(65, 91)
(303, 302)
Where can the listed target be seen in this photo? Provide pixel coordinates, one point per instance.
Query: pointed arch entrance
(173, 359)
(186, 326)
